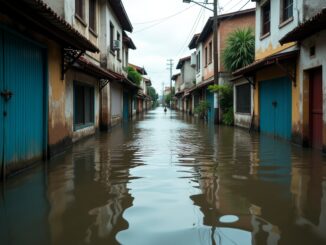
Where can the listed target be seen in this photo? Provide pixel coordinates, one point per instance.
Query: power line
(234, 5)
(191, 33)
(165, 19)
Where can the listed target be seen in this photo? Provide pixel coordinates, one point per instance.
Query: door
(22, 100)
(276, 107)
(125, 106)
(316, 108)
(210, 100)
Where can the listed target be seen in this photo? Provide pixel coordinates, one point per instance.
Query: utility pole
(170, 67)
(215, 44)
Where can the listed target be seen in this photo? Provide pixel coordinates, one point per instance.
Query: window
(210, 53)
(243, 97)
(118, 51)
(198, 62)
(287, 10)
(83, 105)
(266, 18)
(92, 15)
(79, 8)
(206, 56)
(111, 36)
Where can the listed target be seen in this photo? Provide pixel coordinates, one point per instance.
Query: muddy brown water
(168, 179)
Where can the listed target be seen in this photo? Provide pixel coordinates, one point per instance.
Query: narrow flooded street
(169, 179)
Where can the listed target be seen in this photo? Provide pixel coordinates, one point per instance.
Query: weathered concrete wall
(306, 63)
(59, 124)
(311, 8)
(189, 74)
(269, 44)
(116, 103)
(242, 119)
(71, 76)
(105, 121)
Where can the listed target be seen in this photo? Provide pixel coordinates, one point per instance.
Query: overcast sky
(163, 30)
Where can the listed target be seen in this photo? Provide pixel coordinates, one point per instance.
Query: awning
(36, 13)
(101, 73)
(268, 61)
(313, 25)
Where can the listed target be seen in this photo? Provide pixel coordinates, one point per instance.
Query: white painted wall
(307, 62)
(116, 100)
(272, 41)
(242, 119)
(188, 74)
(199, 74)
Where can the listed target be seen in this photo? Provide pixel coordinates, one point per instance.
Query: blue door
(276, 107)
(22, 100)
(125, 106)
(210, 100)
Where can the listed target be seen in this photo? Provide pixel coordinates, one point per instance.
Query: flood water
(169, 179)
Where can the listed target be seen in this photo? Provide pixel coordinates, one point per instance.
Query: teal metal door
(125, 106)
(210, 100)
(276, 107)
(22, 100)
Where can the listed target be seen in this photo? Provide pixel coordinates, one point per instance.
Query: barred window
(266, 18)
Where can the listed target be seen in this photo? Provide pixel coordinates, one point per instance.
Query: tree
(240, 49)
(152, 93)
(134, 76)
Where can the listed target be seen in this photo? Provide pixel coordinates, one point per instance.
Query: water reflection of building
(88, 193)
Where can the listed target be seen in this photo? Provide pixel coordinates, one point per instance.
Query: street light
(215, 44)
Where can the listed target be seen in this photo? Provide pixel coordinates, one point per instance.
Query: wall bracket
(69, 57)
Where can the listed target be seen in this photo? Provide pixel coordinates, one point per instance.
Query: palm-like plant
(240, 49)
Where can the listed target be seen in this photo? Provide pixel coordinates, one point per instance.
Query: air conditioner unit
(116, 45)
(193, 59)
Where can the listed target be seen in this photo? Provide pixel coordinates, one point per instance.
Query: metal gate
(21, 101)
(276, 107)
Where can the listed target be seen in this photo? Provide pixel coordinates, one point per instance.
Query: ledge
(284, 23)
(265, 35)
(81, 20)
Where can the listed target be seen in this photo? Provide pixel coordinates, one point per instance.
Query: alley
(170, 179)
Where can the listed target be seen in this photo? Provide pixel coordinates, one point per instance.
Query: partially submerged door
(125, 106)
(22, 100)
(316, 108)
(276, 107)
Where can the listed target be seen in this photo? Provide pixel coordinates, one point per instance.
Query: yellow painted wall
(271, 50)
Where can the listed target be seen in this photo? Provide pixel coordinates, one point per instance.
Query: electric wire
(163, 18)
(153, 25)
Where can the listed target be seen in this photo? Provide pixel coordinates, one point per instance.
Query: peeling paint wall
(306, 63)
(269, 44)
(116, 103)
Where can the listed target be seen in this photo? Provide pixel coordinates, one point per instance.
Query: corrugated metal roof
(270, 60)
(41, 15)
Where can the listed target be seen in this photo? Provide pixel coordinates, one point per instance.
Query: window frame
(206, 56)
(111, 37)
(198, 65)
(210, 53)
(263, 32)
(80, 10)
(76, 124)
(283, 10)
(119, 51)
(93, 18)
(243, 109)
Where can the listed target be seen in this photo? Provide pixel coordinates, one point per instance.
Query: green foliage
(202, 109)
(226, 101)
(152, 93)
(167, 99)
(134, 76)
(228, 116)
(240, 49)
